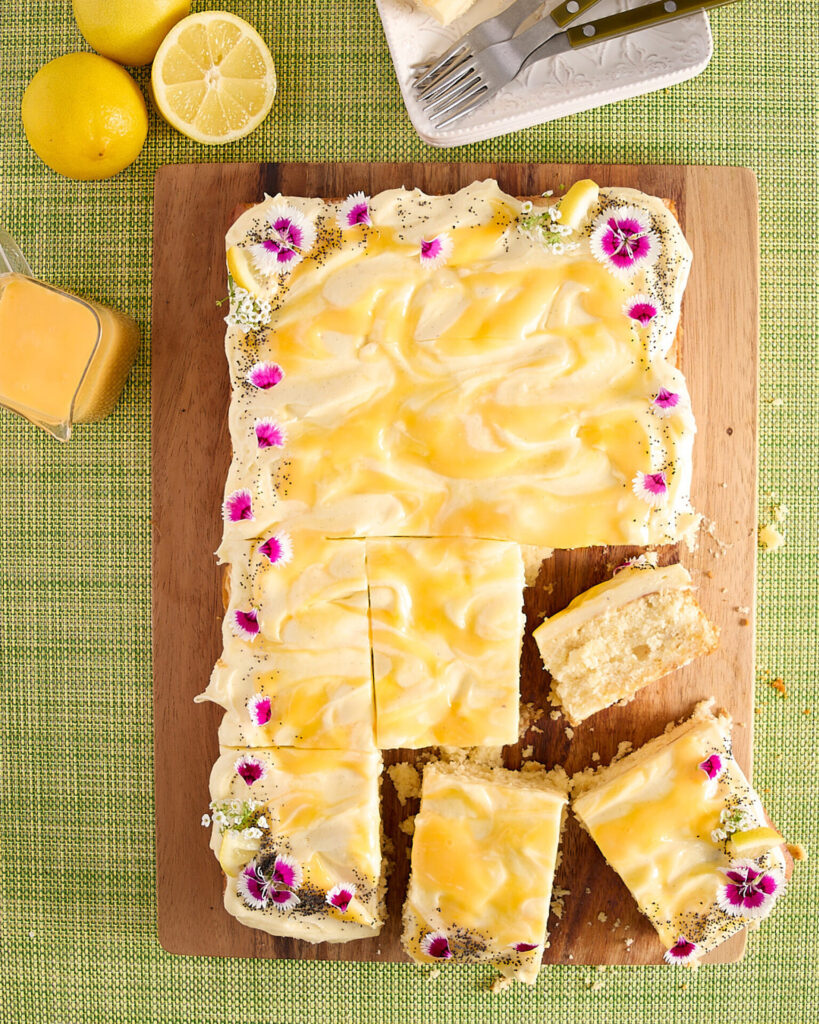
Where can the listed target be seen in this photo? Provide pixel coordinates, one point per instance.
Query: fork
(474, 82)
(494, 30)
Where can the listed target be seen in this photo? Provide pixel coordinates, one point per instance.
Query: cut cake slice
(447, 626)
(621, 635)
(483, 858)
(298, 834)
(685, 830)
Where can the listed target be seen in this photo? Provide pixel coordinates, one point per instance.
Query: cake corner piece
(679, 822)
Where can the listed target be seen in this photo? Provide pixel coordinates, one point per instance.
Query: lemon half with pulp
(213, 78)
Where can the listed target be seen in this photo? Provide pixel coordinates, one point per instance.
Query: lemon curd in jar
(63, 360)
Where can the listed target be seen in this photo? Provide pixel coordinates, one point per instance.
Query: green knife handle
(640, 17)
(568, 11)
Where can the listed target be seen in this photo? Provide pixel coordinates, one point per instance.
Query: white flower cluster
(239, 815)
(247, 311)
(734, 820)
(545, 228)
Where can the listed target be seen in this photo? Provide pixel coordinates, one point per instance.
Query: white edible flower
(205, 820)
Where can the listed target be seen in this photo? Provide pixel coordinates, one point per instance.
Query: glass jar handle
(12, 260)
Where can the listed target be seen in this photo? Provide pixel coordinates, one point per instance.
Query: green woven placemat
(77, 936)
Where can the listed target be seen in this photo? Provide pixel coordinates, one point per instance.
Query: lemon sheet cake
(621, 635)
(298, 835)
(460, 366)
(484, 853)
(447, 627)
(687, 833)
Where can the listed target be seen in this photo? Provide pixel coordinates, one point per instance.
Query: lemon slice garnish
(575, 205)
(236, 851)
(755, 841)
(213, 78)
(240, 267)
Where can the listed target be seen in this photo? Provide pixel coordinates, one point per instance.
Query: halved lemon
(755, 841)
(213, 78)
(575, 205)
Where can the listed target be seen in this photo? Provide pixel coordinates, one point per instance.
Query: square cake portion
(682, 826)
(296, 664)
(484, 853)
(621, 635)
(298, 835)
(447, 626)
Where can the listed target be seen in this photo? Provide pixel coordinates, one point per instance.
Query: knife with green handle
(634, 20)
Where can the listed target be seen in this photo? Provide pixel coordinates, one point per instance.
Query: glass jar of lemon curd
(63, 359)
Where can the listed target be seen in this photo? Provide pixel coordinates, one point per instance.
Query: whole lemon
(128, 31)
(84, 116)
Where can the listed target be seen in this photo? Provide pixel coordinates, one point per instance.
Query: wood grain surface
(193, 205)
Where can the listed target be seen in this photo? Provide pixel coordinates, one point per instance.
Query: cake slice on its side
(621, 635)
(298, 835)
(447, 627)
(483, 858)
(687, 833)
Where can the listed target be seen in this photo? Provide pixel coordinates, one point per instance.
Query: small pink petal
(665, 401)
(436, 944)
(260, 709)
(278, 548)
(340, 896)
(284, 899)
(246, 624)
(436, 251)
(269, 434)
(238, 507)
(354, 211)
(250, 770)
(524, 947)
(287, 872)
(651, 487)
(641, 308)
(252, 887)
(265, 375)
(712, 766)
(682, 952)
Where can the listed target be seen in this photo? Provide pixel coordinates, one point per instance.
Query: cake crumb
(558, 905)
(406, 780)
(770, 539)
(554, 715)
(529, 715)
(569, 732)
(595, 756)
(500, 984)
(408, 825)
(796, 851)
(434, 973)
(779, 685)
(527, 751)
(602, 917)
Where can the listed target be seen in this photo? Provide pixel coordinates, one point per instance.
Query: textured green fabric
(76, 813)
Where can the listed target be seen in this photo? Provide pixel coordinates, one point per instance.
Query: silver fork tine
(462, 111)
(452, 82)
(448, 71)
(477, 89)
(428, 72)
(454, 95)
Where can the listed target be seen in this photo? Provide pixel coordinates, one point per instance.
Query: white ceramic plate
(615, 70)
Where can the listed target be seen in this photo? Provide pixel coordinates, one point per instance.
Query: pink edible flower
(249, 769)
(436, 251)
(246, 624)
(340, 896)
(682, 952)
(750, 890)
(265, 375)
(354, 211)
(436, 944)
(238, 507)
(651, 487)
(712, 766)
(623, 240)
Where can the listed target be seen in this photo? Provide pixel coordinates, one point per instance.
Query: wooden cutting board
(193, 207)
